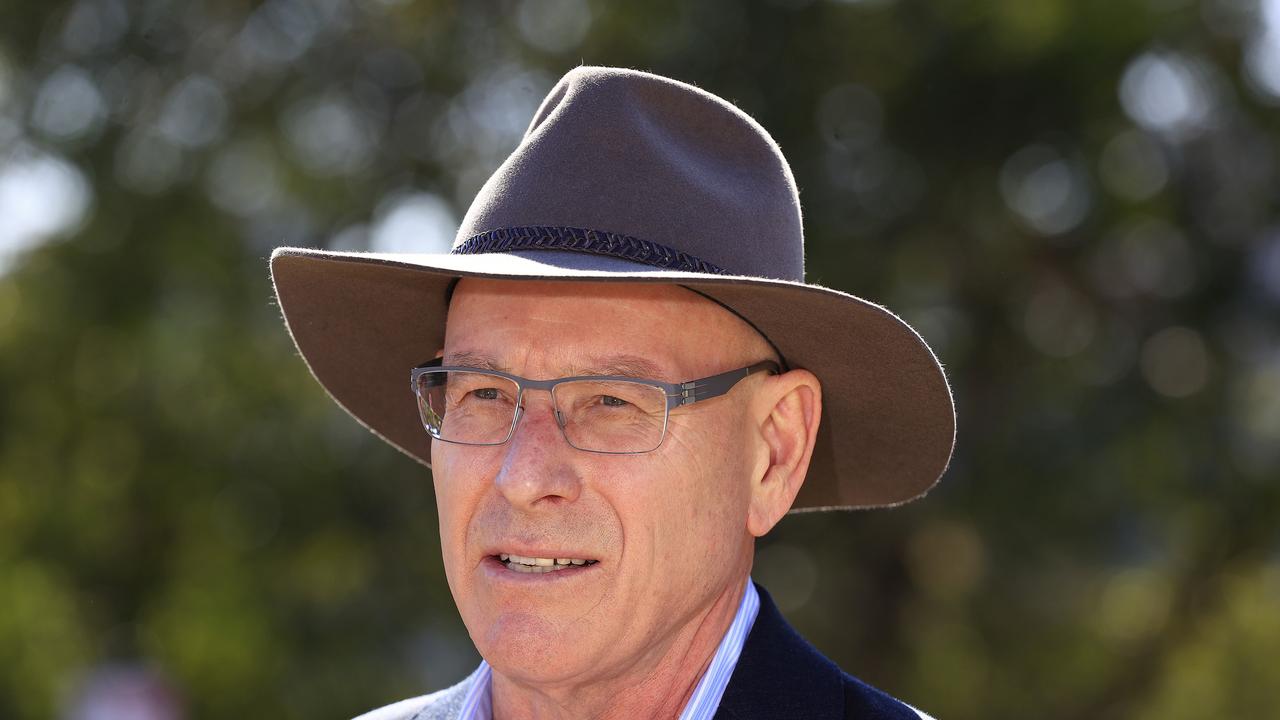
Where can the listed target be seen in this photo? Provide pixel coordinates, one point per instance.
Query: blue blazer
(780, 676)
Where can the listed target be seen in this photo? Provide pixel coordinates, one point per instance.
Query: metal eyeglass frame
(678, 395)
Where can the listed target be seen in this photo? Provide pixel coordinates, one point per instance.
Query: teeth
(520, 563)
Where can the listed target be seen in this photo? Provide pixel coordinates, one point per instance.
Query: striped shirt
(478, 704)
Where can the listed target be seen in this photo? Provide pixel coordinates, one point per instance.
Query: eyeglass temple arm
(716, 385)
(432, 363)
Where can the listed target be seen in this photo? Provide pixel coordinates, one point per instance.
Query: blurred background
(1075, 201)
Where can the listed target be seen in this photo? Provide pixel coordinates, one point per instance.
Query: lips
(523, 564)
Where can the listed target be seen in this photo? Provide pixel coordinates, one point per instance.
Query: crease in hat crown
(657, 163)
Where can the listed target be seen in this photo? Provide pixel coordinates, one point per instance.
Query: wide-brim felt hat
(624, 176)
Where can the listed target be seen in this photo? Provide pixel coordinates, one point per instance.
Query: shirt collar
(478, 703)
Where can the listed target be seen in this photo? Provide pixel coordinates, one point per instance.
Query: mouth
(522, 564)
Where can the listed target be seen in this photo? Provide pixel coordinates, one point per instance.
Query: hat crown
(654, 161)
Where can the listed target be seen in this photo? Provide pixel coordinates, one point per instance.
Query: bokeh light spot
(68, 105)
(1262, 66)
(1045, 190)
(1149, 257)
(1166, 93)
(948, 329)
(280, 31)
(194, 112)
(947, 559)
(1265, 264)
(1134, 604)
(555, 26)
(243, 179)
(1133, 166)
(850, 117)
(789, 572)
(1059, 321)
(500, 103)
(42, 196)
(329, 135)
(1111, 355)
(147, 162)
(1175, 362)
(94, 26)
(126, 692)
(1255, 408)
(1262, 53)
(417, 222)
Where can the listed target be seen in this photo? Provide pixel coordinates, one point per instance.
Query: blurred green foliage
(1074, 201)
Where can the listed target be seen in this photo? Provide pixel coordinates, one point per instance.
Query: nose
(538, 469)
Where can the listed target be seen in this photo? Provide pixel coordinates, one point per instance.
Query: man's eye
(611, 401)
(486, 393)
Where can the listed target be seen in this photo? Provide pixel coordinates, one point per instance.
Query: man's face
(666, 529)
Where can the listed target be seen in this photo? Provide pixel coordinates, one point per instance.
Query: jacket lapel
(781, 676)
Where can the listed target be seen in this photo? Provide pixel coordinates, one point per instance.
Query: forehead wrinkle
(723, 338)
(611, 364)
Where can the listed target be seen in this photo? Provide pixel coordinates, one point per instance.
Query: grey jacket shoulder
(442, 705)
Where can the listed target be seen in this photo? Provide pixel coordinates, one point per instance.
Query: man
(620, 381)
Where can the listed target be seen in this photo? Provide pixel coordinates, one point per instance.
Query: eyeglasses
(610, 414)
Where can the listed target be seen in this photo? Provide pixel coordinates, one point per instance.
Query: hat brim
(362, 320)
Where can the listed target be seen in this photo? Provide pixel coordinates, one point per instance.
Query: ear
(788, 409)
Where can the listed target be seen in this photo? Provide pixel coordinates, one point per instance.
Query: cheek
(451, 536)
(459, 483)
(716, 457)
(706, 487)
(446, 492)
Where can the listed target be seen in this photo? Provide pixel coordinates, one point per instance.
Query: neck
(656, 686)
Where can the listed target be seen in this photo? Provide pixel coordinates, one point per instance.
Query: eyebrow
(474, 360)
(621, 364)
(628, 365)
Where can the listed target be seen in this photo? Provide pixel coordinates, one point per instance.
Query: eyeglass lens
(478, 408)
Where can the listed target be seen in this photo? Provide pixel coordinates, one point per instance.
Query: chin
(532, 648)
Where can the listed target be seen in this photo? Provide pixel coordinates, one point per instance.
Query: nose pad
(520, 412)
(515, 422)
